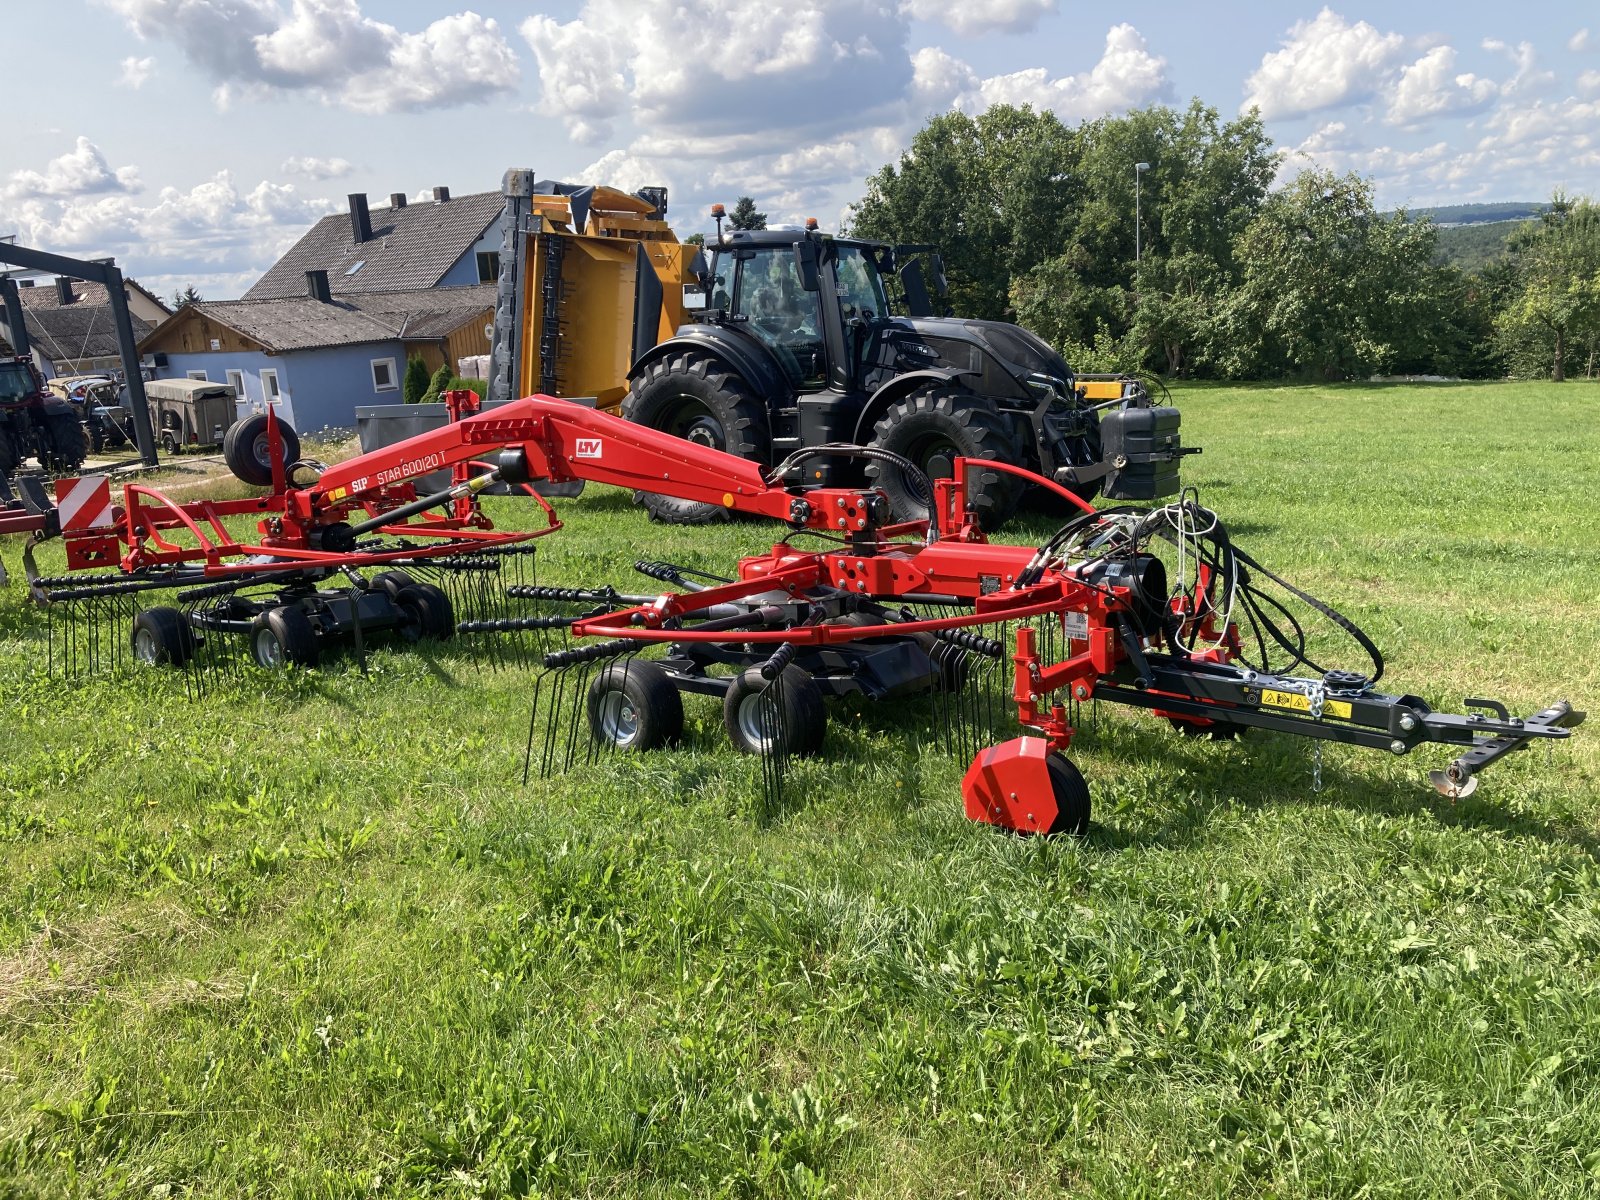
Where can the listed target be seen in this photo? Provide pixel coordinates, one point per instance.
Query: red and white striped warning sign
(84, 503)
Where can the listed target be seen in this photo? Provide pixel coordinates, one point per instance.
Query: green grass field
(313, 938)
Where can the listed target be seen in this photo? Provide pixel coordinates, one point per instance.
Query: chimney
(397, 199)
(360, 218)
(440, 195)
(63, 289)
(317, 286)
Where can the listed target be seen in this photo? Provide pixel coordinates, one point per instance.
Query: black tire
(635, 706)
(169, 442)
(162, 637)
(94, 436)
(1217, 731)
(803, 717)
(933, 426)
(698, 398)
(283, 637)
(425, 612)
(245, 448)
(10, 456)
(1071, 794)
(65, 446)
(392, 582)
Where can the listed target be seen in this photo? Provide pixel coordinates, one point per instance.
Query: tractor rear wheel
(247, 449)
(934, 426)
(162, 637)
(696, 397)
(283, 637)
(64, 447)
(790, 719)
(10, 455)
(635, 706)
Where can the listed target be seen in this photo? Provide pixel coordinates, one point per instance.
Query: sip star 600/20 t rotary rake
(888, 605)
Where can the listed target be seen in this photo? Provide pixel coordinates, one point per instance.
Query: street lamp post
(1138, 170)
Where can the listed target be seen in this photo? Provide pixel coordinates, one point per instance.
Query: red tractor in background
(35, 424)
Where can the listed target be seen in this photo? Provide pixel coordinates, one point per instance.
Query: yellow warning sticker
(1302, 703)
(337, 494)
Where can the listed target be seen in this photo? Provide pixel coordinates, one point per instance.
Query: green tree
(1554, 312)
(187, 295)
(695, 239)
(415, 384)
(745, 216)
(439, 383)
(1328, 286)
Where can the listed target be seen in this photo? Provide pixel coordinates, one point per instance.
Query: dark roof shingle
(83, 331)
(302, 323)
(410, 248)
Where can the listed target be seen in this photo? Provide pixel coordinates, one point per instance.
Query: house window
(488, 266)
(236, 382)
(200, 375)
(357, 267)
(383, 376)
(269, 386)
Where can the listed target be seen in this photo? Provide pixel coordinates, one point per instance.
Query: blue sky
(196, 139)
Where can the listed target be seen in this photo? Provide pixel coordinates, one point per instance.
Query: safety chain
(1318, 696)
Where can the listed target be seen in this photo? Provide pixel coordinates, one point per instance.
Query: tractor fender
(56, 407)
(898, 389)
(748, 358)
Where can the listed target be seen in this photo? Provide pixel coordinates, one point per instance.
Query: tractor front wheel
(696, 397)
(934, 426)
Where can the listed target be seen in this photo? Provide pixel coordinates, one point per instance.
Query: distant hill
(1479, 214)
(1471, 236)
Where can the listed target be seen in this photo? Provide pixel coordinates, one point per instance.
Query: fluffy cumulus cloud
(971, 18)
(216, 233)
(1582, 40)
(330, 49)
(1589, 83)
(1127, 76)
(1432, 87)
(1324, 63)
(81, 171)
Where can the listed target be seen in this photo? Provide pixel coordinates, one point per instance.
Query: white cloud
(1126, 76)
(1589, 83)
(329, 48)
(580, 75)
(316, 168)
(1325, 63)
(1431, 87)
(82, 171)
(970, 18)
(135, 71)
(1528, 77)
(1580, 41)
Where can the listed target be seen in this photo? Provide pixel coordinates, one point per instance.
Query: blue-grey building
(332, 324)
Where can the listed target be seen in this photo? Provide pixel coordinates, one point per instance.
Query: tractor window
(782, 313)
(861, 291)
(16, 382)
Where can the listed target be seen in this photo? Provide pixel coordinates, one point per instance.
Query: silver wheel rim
(754, 723)
(619, 719)
(146, 648)
(269, 650)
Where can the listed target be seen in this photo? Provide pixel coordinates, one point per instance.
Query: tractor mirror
(918, 302)
(805, 260)
(700, 268)
(940, 284)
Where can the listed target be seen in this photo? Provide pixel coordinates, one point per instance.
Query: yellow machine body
(580, 307)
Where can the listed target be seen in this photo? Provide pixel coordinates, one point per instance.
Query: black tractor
(35, 424)
(795, 347)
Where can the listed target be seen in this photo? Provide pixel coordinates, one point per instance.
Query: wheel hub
(619, 719)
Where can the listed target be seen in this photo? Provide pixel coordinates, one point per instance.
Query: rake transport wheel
(635, 706)
(695, 397)
(392, 582)
(934, 426)
(1071, 795)
(425, 612)
(247, 449)
(1217, 731)
(789, 720)
(283, 637)
(162, 637)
